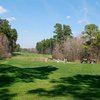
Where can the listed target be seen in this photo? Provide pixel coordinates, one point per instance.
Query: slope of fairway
(23, 78)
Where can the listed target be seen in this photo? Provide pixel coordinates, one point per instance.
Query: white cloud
(85, 12)
(83, 21)
(68, 17)
(10, 19)
(80, 21)
(2, 10)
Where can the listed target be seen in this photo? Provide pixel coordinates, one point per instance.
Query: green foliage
(11, 34)
(17, 48)
(92, 36)
(58, 31)
(62, 32)
(91, 33)
(90, 29)
(13, 39)
(5, 27)
(45, 46)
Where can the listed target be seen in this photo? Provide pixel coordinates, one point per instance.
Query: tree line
(65, 45)
(10, 33)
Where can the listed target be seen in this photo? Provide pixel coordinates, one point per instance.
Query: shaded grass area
(81, 87)
(28, 80)
(5, 95)
(12, 74)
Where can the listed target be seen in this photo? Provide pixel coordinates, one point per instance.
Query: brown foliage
(4, 46)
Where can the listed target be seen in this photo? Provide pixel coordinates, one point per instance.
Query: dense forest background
(65, 45)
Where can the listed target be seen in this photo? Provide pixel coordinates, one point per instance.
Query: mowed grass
(26, 77)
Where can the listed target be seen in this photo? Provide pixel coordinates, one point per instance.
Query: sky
(34, 20)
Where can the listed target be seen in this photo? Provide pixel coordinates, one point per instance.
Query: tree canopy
(11, 34)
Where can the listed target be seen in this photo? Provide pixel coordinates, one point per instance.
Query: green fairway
(23, 77)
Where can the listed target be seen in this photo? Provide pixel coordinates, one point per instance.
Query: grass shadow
(5, 95)
(10, 74)
(80, 87)
(6, 80)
